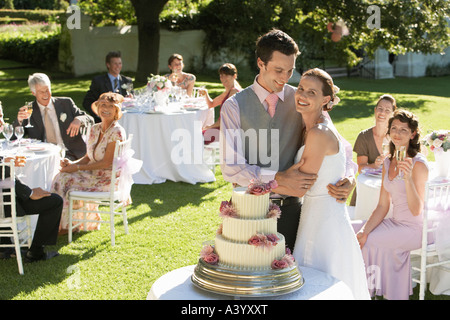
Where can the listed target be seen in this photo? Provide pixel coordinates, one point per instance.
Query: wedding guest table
(177, 285)
(42, 164)
(169, 141)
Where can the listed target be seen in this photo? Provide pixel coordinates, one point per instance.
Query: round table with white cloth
(170, 145)
(177, 285)
(42, 165)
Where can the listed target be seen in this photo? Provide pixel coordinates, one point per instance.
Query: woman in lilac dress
(386, 243)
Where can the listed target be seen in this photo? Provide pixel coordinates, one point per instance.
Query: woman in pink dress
(386, 243)
(228, 77)
(93, 171)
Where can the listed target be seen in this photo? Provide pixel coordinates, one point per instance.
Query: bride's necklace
(305, 131)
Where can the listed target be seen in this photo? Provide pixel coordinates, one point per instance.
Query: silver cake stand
(241, 283)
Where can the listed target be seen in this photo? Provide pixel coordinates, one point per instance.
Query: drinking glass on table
(29, 106)
(19, 131)
(8, 131)
(400, 155)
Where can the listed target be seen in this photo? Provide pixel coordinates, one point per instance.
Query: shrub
(37, 44)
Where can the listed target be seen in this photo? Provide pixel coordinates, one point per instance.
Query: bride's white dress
(325, 238)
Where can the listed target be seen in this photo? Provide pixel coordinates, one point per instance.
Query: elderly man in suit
(35, 201)
(112, 81)
(54, 120)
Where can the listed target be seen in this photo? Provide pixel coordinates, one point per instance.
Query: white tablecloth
(40, 168)
(177, 285)
(170, 146)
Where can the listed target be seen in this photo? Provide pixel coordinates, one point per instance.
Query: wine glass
(400, 155)
(8, 131)
(19, 131)
(29, 106)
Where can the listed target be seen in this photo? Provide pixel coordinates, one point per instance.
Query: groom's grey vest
(277, 139)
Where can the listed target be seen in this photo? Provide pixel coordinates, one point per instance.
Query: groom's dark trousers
(290, 218)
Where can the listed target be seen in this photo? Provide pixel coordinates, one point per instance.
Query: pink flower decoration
(274, 211)
(261, 240)
(207, 254)
(206, 250)
(227, 210)
(260, 188)
(273, 238)
(279, 264)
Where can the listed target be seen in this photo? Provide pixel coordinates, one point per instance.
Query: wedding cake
(249, 256)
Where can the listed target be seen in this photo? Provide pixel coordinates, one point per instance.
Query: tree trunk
(147, 15)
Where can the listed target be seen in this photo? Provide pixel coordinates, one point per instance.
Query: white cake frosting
(232, 245)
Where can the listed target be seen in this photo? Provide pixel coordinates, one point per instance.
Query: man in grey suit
(54, 120)
(112, 81)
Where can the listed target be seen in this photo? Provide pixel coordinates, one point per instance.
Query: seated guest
(178, 77)
(93, 171)
(228, 77)
(112, 81)
(386, 243)
(369, 143)
(35, 201)
(54, 120)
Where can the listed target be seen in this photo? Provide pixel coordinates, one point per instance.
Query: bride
(325, 238)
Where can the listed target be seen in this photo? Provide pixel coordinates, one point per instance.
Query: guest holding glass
(372, 145)
(54, 120)
(93, 171)
(179, 78)
(228, 78)
(386, 242)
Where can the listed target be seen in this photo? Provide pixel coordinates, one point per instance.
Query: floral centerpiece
(160, 87)
(439, 142)
(158, 83)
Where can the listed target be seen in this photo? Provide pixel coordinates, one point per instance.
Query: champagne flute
(8, 131)
(29, 106)
(400, 155)
(386, 148)
(19, 131)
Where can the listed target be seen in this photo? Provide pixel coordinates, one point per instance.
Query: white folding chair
(211, 155)
(437, 200)
(111, 198)
(17, 228)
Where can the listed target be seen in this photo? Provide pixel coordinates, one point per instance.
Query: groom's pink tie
(272, 100)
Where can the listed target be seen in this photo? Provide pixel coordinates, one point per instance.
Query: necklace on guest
(103, 132)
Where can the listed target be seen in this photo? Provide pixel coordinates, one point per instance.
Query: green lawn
(169, 222)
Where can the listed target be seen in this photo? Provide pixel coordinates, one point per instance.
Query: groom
(266, 110)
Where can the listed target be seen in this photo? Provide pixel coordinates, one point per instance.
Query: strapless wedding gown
(325, 238)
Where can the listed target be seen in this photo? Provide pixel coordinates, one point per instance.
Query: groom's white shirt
(240, 171)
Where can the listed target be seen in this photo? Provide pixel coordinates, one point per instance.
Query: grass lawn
(169, 222)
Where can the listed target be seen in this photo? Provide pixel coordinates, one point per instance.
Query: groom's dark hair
(275, 40)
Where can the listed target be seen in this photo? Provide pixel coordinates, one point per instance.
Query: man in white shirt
(54, 120)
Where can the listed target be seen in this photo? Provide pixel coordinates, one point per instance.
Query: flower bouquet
(160, 87)
(439, 143)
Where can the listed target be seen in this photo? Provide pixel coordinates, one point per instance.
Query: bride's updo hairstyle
(408, 117)
(328, 87)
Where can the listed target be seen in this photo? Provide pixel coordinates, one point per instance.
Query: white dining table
(170, 144)
(42, 165)
(177, 285)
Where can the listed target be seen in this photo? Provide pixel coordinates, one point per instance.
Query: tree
(147, 15)
(406, 26)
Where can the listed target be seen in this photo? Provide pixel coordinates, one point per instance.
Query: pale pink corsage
(227, 210)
